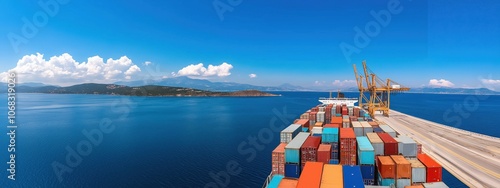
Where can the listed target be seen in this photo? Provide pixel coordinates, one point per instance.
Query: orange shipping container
(310, 176)
(434, 169)
(336, 120)
(403, 167)
(332, 176)
(331, 125)
(386, 167)
(278, 159)
(288, 183)
(415, 186)
(303, 122)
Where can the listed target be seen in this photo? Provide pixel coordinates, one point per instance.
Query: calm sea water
(180, 142)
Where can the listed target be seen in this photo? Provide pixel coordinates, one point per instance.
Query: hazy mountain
(445, 90)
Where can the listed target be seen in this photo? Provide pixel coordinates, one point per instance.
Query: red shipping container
(303, 122)
(356, 112)
(386, 167)
(348, 146)
(309, 150)
(373, 124)
(278, 159)
(403, 167)
(332, 125)
(324, 153)
(390, 145)
(315, 109)
(312, 116)
(338, 109)
(434, 169)
(344, 110)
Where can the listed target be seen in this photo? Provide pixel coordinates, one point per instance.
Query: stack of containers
(348, 147)
(407, 146)
(344, 110)
(387, 129)
(386, 169)
(350, 111)
(321, 109)
(312, 119)
(318, 124)
(328, 113)
(332, 176)
(289, 133)
(311, 176)
(403, 171)
(433, 169)
(324, 153)
(345, 121)
(356, 112)
(338, 110)
(417, 171)
(390, 145)
(278, 159)
(309, 150)
(367, 128)
(352, 176)
(317, 131)
(304, 123)
(292, 155)
(320, 117)
(373, 124)
(305, 116)
(366, 160)
(275, 181)
(358, 128)
(337, 121)
(377, 143)
(288, 183)
(331, 136)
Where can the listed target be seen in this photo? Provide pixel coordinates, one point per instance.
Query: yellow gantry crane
(379, 91)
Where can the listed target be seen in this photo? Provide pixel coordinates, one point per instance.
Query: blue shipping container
(352, 176)
(305, 129)
(292, 170)
(330, 135)
(385, 182)
(275, 181)
(368, 171)
(334, 161)
(378, 130)
(335, 146)
(366, 152)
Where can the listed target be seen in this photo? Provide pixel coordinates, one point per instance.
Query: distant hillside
(149, 90)
(443, 90)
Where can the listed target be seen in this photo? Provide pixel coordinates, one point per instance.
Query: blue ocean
(121, 141)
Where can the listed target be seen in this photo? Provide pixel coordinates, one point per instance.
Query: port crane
(374, 92)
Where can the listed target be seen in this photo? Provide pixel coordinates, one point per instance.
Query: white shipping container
(418, 173)
(435, 185)
(320, 117)
(377, 143)
(407, 146)
(289, 133)
(367, 128)
(358, 129)
(401, 183)
(316, 130)
(389, 130)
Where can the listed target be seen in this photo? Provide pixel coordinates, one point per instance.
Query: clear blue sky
(292, 41)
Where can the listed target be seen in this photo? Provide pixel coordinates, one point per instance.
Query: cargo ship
(339, 100)
(340, 145)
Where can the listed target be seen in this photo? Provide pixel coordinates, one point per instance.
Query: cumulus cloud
(440, 83)
(199, 70)
(64, 70)
(252, 75)
(344, 83)
(491, 84)
(147, 63)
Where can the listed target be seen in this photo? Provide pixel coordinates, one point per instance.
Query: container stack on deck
(340, 146)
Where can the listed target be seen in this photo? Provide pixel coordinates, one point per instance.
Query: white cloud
(252, 75)
(147, 63)
(64, 70)
(491, 84)
(344, 83)
(199, 70)
(440, 83)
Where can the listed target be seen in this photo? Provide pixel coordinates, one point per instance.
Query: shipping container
(435, 185)
(309, 150)
(389, 130)
(434, 169)
(356, 112)
(401, 183)
(303, 122)
(418, 173)
(317, 131)
(386, 167)
(403, 167)
(373, 124)
(334, 161)
(292, 149)
(330, 135)
(344, 110)
(385, 181)
(318, 124)
(278, 159)
(333, 125)
(275, 181)
(305, 116)
(288, 183)
(336, 120)
(390, 145)
(419, 148)
(320, 117)
(305, 129)
(332, 177)
(376, 186)
(358, 128)
(378, 130)
(311, 175)
(368, 173)
(367, 128)
(289, 133)
(407, 146)
(366, 153)
(352, 176)
(292, 170)
(377, 143)
(324, 153)
(348, 148)
(415, 186)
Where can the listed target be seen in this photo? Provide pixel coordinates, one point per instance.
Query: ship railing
(268, 179)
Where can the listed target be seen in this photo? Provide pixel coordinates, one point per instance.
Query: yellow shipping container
(332, 176)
